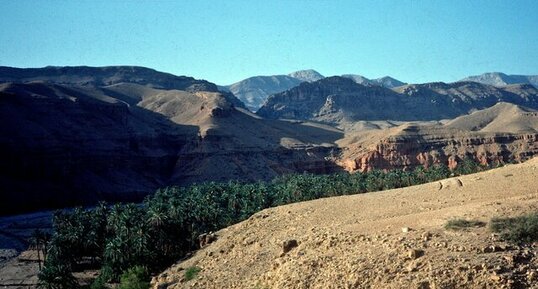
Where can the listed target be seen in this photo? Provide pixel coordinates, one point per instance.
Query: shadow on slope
(72, 145)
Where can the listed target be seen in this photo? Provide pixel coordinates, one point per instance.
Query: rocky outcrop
(501, 134)
(427, 150)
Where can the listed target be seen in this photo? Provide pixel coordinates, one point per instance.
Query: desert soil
(389, 239)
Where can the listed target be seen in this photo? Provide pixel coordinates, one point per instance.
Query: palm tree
(35, 243)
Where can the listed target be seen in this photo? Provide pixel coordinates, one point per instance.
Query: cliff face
(428, 150)
(501, 134)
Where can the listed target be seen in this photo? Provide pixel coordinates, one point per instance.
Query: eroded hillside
(500, 134)
(390, 239)
(122, 133)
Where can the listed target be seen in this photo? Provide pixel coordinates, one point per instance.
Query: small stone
(426, 236)
(509, 258)
(491, 249)
(415, 253)
(412, 267)
(206, 238)
(424, 285)
(532, 275)
(495, 277)
(406, 229)
(288, 245)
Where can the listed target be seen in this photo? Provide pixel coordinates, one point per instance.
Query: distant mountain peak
(309, 75)
(385, 81)
(389, 82)
(359, 79)
(502, 79)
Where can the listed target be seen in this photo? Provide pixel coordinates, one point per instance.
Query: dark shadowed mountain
(501, 79)
(340, 99)
(78, 138)
(100, 76)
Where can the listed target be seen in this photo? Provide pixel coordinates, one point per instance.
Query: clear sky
(226, 41)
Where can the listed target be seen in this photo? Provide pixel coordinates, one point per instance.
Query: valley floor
(390, 239)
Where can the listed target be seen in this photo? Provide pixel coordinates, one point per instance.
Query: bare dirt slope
(502, 117)
(390, 239)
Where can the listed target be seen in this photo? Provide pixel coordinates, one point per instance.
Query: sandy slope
(358, 242)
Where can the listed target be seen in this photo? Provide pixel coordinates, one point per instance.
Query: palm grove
(166, 226)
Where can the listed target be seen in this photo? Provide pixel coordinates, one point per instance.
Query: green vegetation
(191, 273)
(522, 229)
(460, 224)
(135, 278)
(166, 226)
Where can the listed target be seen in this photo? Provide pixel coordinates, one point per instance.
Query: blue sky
(226, 41)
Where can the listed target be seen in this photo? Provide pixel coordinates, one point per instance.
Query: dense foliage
(166, 226)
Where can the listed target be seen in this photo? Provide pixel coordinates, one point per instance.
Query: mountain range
(254, 91)
(77, 135)
(339, 99)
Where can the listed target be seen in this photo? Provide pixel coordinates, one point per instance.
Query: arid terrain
(78, 135)
(389, 239)
(305, 144)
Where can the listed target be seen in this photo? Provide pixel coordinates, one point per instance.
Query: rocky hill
(77, 139)
(502, 117)
(390, 239)
(339, 100)
(500, 134)
(501, 79)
